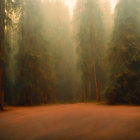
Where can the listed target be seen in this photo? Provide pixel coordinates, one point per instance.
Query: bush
(125, 89)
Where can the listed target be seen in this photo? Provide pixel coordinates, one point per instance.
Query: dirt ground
(70, 122)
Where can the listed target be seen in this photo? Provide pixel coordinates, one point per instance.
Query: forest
(49, 56)
(69, 69)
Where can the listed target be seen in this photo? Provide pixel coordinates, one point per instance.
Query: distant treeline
(48, 57)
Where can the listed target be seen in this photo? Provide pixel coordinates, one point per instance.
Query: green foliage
(124, 55)
(124, 88)
(40, 57)
(40, 66)
(89, 34)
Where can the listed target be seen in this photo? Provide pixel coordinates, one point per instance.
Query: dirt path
(71, 122)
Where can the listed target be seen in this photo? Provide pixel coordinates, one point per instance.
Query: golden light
(71, 4)
(113, 3)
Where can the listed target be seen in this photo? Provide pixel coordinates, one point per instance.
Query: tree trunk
(2, 26)
(96, 83)
(89, 90)
(45, 98)
(1, 91)
(84, 93)
(30, 96)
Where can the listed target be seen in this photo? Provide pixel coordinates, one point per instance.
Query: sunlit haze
(71, 4)
(113, 3)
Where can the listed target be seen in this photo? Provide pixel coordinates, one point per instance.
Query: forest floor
(83, 121)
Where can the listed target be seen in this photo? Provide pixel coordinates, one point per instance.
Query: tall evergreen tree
(124, 55)
(2, 37)
(6, 8)
(46, 69)
(30, 46)
(89, 38)
(62, 56)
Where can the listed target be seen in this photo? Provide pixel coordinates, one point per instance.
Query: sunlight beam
(71, 4)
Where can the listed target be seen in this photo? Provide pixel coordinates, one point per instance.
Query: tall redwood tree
(2, 27)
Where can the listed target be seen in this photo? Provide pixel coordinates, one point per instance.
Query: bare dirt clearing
(71, 122)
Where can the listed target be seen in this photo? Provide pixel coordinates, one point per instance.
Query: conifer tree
(2, 36)
(89, 38)
(124, 55)
(6, 8)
